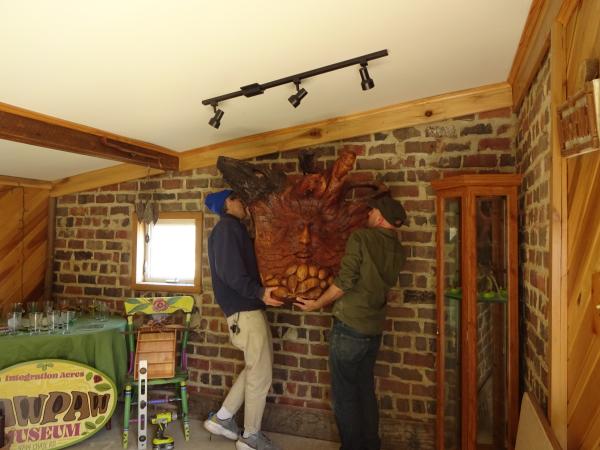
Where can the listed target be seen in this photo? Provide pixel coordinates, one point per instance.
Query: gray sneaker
(222, 427)
(256, 441)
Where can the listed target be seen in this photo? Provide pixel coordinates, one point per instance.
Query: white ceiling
(140, 68)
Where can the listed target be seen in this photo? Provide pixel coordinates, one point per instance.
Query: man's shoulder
(363, 232)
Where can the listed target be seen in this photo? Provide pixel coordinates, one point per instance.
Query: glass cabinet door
(491, 322)
(451, 332)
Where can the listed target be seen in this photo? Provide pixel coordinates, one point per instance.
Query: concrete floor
(200, 439)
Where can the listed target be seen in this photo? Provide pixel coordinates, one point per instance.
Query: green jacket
(369, 268)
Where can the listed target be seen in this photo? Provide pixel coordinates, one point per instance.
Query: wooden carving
(301, 223)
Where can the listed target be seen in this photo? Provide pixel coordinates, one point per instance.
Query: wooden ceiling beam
(28, 127)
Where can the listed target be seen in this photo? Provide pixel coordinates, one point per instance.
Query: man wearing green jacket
(369, 268)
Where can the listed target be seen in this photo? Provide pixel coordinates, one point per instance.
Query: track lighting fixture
(366, 81)
(215, 120)
(298, 96)
(253, 89)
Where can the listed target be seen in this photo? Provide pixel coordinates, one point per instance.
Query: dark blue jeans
(351, 361)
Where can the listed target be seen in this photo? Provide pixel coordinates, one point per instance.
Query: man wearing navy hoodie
(243, 300)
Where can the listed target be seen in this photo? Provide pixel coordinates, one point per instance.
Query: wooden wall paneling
(583, 390)
(585, 42)
(49, 276)
(581, 42)
(22, 261)
(557, 401)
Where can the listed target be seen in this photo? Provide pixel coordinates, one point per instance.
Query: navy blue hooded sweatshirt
(233, 267)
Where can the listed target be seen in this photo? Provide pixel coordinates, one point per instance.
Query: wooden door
(582, 41)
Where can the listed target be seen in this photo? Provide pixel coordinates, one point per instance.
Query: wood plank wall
(581, 40)
(23, 244)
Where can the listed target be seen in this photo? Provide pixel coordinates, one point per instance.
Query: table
(97, 344)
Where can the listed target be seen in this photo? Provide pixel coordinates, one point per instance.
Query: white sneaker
(222, 427)
(256, 441)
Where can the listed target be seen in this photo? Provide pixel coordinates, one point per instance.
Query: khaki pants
(253, 383)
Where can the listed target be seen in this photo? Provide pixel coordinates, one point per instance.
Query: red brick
(357, 149)
(295, 347)
(105, 198)
(306, 376)
(419, 205)
(172, 184)
(480, 160)
(405, 373)
(416, 236)
(231, 353)
(404, 191)
(285, 360)
(396, 387)
(313, 363)
(318, 405)
(494, 143)
(318, 319)
(418, 359)
(222, 366)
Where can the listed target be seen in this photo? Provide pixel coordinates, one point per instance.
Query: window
(166, 255)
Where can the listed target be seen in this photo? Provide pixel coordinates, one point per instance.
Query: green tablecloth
(103, 348)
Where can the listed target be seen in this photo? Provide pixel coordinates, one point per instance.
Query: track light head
(215, 121)
(296, 98)
(366, 81)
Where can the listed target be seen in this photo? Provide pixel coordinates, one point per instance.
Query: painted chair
(149, 306)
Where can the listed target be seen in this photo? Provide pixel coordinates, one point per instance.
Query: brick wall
(93, 259)
(534, 162)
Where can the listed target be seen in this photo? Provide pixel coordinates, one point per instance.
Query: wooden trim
(25, 182)
(469, 323)
(165, 287)
(557, 402)
(456, 181)
(534, 17)
(103, 177)
(427, 110)
(512, 408)
(29, 127)
(441, 323)
(532, 48)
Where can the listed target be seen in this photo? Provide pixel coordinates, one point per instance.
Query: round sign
(53, 403)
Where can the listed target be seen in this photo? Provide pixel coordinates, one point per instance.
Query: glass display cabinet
(477, 312)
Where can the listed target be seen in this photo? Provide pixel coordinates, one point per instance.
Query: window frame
(137, 233)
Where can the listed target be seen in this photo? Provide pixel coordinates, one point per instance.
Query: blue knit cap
(216, 201)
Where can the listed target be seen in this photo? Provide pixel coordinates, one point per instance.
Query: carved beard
(300, 241)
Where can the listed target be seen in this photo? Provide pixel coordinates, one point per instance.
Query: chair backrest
(158, 305)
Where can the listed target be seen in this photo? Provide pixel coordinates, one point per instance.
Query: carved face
(302, 229)
(298, 237)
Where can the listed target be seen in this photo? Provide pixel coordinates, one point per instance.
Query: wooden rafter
(21, 125)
